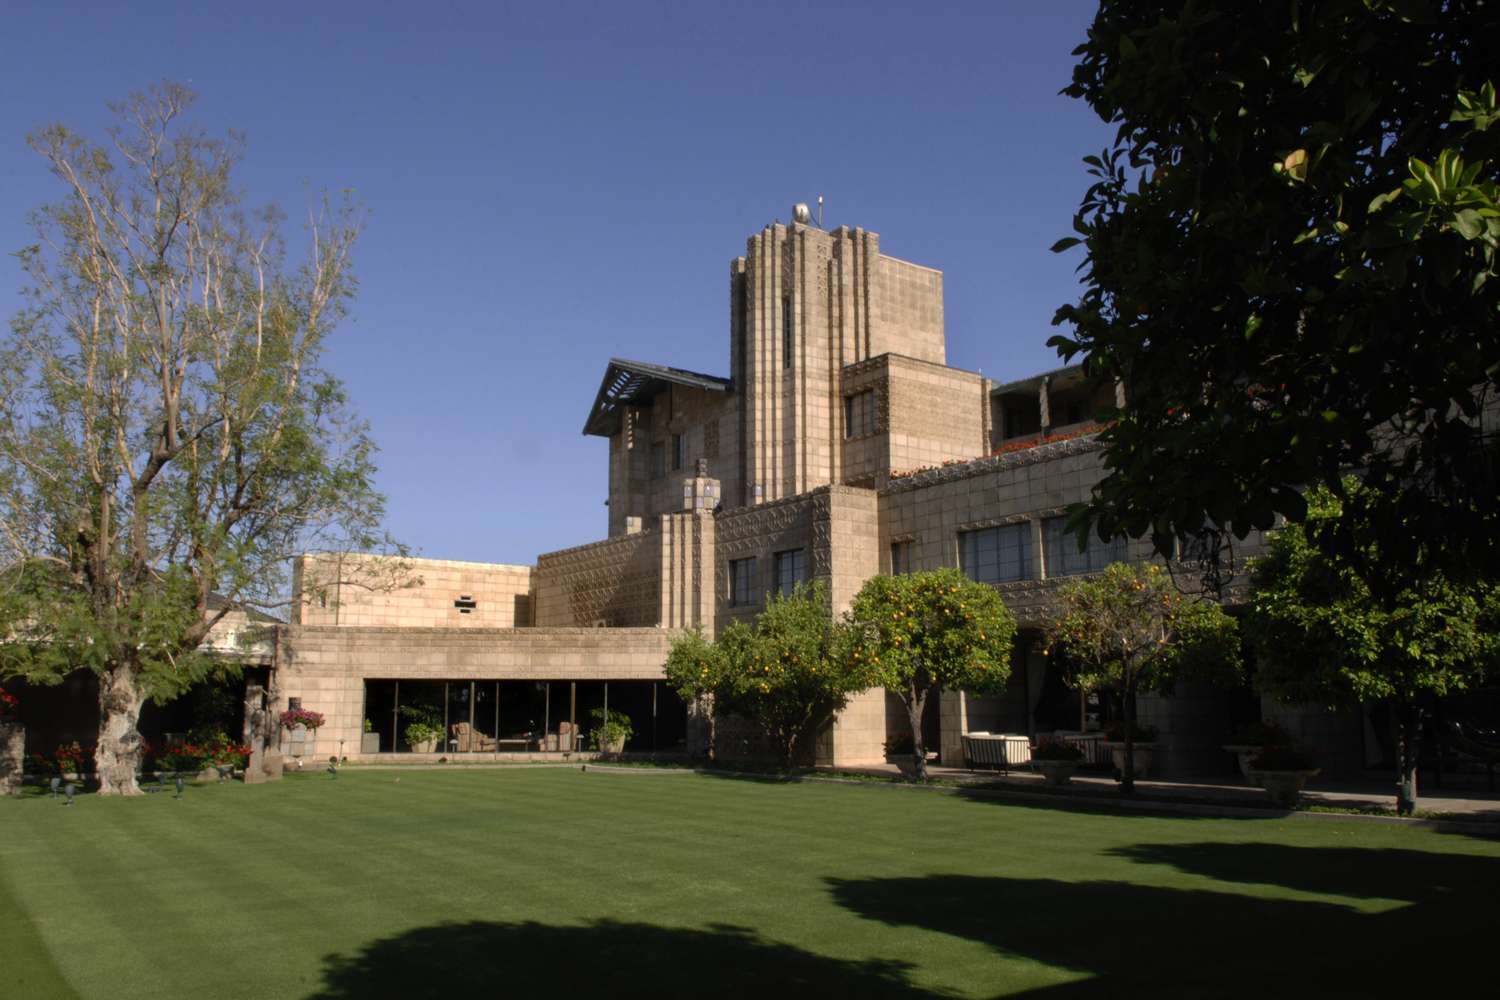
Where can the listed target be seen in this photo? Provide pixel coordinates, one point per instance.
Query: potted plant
(1251, 740)
(1282, 771)
(609, 730)
(303, 724)
(1143, 739)
(1057, 760)
(369, 741)
(425, 728)
(423, 737)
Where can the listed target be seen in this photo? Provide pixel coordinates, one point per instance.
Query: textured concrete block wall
(708, 422)
(365, 590)
(908, 310)
(616, 582)
(936, 414)
(327, 666)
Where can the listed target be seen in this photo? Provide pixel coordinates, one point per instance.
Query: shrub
(1261, 734)
(421, 732)
(1115, 732)
(1061, 750)
(1283, 758)
(900, 745)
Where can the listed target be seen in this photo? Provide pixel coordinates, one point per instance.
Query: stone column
(12, 757)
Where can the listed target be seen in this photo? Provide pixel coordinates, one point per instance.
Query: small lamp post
(179, 787)
(68, 790)
(55, 784)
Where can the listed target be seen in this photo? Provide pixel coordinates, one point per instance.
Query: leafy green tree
(1290, 262)
(695, 669)
(1324, 635)
(789, 673)
(166, 432)
(1129, 630)
(921, 632)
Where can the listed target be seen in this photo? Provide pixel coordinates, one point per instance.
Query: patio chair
(470, 740)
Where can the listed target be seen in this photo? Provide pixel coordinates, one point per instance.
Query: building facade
(839, 445)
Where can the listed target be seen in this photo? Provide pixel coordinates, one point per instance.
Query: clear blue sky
(552, 183)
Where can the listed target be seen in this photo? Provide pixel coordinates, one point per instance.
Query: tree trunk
(117, 758)
(1406, 718)
(1127, 770)
(915, 702)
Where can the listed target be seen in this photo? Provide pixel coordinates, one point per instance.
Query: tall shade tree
(167, 437)
(1129, 630)
(789, 673)
(922, 632)
(1325, 635)
(1290, 254)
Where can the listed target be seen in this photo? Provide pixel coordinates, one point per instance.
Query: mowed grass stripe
(252, 891)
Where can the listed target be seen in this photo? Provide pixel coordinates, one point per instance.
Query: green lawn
(552, 882)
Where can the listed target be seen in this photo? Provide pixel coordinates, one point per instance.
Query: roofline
(627, 381)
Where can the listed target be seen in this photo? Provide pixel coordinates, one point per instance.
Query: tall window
(658, 461)
(742, 581)
(790, 569)
(859, 414)
(996, 555)
(900, 558)
(1060, 552)
(786, 332)
(679, 451)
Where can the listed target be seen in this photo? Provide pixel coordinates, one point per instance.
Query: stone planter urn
(1143, 755)
(1058, 772)
(369, 743)
(1285, 787)
(612, 746)
(425, 746)
(1243, 752)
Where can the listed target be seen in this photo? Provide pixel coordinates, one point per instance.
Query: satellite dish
(801, 213)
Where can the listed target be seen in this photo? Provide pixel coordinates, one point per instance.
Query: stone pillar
(12, 757)
(954, 713)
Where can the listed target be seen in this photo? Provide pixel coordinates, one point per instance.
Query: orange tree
(920, 632)
(1129, 629)
(789, 673)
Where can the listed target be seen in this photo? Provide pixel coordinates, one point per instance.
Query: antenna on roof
(820, 211)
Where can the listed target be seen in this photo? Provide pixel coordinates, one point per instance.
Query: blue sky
(552, 184)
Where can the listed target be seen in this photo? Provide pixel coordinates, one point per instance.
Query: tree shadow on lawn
(1358, 872)
(1139, 940)
(603, 958)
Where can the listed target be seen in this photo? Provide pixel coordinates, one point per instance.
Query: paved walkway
(1355, 793)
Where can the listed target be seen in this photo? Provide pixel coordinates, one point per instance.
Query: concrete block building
(837, 445)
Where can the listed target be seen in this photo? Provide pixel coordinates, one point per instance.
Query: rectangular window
(859, 414)
(790, 568)
(679, 451)
(786, 333)
(996, 555)
(1060, 552)
(658, 461)
(900, 558)
(742, 581)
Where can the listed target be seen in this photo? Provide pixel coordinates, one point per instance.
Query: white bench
(998, 750)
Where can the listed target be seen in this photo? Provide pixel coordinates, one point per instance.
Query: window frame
(797, 559)
(741, 591)
(976, 555)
